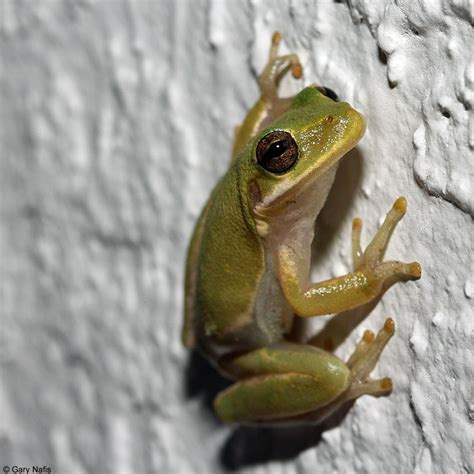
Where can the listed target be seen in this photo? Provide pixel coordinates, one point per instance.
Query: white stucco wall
(117, 119)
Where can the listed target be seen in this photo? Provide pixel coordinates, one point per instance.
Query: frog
(247, 279)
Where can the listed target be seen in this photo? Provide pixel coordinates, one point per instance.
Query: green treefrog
(248, 265)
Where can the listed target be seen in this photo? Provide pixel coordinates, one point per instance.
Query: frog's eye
(277, 152)
(328, 93)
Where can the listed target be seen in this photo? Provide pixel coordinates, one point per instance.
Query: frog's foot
(363, 360)
(372, 258)
(277, 67)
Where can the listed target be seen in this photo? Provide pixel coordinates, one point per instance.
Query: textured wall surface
(117, 119)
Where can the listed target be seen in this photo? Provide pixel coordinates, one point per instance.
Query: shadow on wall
(254, 445)
(249, 445)
(337, 206)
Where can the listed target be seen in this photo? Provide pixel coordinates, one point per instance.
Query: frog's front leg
(353, 289)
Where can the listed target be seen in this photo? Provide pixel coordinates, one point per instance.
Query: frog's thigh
(279, 382)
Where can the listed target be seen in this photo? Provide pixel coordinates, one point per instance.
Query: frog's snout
(356, 123)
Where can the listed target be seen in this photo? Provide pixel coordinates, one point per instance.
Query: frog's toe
(375, 388)
(400, 205)
(393, 270)
(277, 67)
(297, 70)
(375, 251)
(368, 351)
(276, 40)
(415, 270)
(361, 349)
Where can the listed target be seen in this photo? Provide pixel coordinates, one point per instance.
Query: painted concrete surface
(117, 120)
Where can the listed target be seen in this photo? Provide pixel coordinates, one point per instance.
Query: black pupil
(276, 149)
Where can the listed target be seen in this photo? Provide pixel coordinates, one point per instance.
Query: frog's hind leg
(363, 361)
(268, 398)
(280, 382)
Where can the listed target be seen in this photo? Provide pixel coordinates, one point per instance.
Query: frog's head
(298, 152)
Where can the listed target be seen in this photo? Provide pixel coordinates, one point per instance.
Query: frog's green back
(228, 264)
(187, 335)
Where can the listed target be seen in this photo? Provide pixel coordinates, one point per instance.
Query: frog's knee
(335, 377)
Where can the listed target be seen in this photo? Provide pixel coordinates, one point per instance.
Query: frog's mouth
(277, 202)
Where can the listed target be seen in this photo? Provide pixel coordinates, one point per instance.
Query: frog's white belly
(273, 315)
